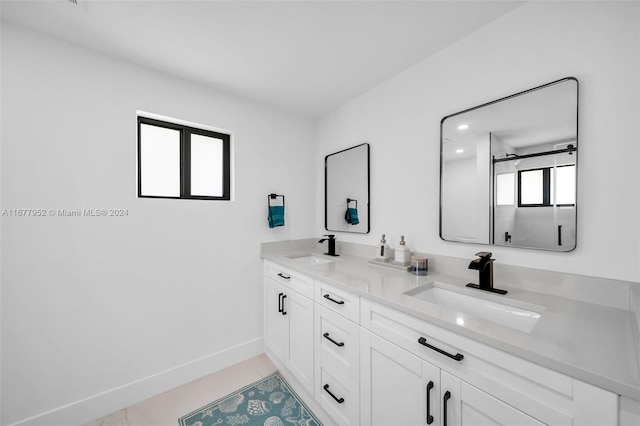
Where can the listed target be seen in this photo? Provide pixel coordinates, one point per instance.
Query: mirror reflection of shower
(508, 170)
(534, 194)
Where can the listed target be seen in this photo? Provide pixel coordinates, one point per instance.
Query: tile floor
(168, 407)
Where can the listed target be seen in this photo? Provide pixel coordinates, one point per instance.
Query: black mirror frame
(494, 102)
(368, 208)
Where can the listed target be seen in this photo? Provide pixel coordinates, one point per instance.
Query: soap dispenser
(383, 250)
(403, 254)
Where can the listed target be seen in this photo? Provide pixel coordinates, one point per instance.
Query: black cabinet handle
(457, 357)
(429, 416)
(446, 397)
(283, 276)
(326, 336)
(280, 302)
(338, 400)
(284, 296)
(339, 302)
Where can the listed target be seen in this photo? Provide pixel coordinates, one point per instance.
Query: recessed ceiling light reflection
(463, 127)
(459, 151)
(460, 321)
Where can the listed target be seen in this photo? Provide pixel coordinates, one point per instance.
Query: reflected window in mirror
(534, 188)
(565, 188)
(505, 187)
(549, 186)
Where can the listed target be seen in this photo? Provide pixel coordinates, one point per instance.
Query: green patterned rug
(268, 402)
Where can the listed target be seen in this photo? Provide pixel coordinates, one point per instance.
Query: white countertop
(593, 343)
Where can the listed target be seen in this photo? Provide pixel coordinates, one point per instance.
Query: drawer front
(295, 281)
(339, 396)
(337, 342)
(338, 301)
(415, 336)
(542, 393)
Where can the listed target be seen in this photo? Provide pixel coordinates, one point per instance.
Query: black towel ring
(273, 196)
(351, 200)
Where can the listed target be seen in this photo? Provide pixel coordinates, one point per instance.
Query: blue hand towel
(351, 216)
(276, 216)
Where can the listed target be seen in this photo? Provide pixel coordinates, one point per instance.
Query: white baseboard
(96, 406)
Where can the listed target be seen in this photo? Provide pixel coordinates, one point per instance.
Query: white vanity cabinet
(366, 363)
(288, 327)
(484, 385)
(398, 388)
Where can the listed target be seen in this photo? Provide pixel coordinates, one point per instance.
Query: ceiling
(308, 57)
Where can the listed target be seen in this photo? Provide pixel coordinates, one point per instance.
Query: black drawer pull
(280, 302)
(339, 302)
(283, 276)
(457, 357)
(284, 296)
(338, 400)
(429, 416)
(326, 336)
(446, 397)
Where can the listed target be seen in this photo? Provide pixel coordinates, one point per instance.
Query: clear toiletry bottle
(383, 250)
(403, 254)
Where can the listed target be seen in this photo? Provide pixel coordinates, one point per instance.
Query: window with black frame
(547, 186)
(182, 162)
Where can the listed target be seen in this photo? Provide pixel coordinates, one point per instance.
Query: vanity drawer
(295, 281)
(339, 396)
(337, 342)
(538, 391)
(339, 301)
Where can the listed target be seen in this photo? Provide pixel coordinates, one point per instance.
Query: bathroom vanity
(372, 345)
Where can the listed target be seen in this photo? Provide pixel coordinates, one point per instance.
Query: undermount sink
(498, 309)
(310, 259)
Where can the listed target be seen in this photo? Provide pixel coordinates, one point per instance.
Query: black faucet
(484, 264)
(332, 244)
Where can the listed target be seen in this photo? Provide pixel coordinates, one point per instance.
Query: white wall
(597, 42)
(90, 304)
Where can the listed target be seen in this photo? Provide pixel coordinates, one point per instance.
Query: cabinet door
(395, 385)
(479, 409)
(299, 309)
(276, 323)
(466, 405)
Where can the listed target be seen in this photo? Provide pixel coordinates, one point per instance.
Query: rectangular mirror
(508, 170)
(346, 190)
